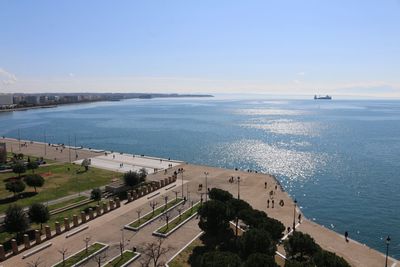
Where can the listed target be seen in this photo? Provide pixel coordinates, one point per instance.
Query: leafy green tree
(32, 165)
(300, 246)
(219, 258)
(96, 194)
(325, 258)
(131, 178)
(142, 174)
(86, 163)
(15, 186)
(260, 260)
(15, 220)
(19, 168)
(294, 263)
(34, 180)
(219, 194)
(39, 213)
(213, 217)
(257, 241)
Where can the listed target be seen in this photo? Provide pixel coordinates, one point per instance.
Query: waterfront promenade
(107, 228)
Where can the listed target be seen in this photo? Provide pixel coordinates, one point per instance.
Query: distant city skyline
(250, 47)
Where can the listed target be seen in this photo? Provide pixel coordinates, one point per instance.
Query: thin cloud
(7, 77)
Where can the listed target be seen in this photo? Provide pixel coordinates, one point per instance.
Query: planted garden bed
(178, 221)
(82, 256)
(127, 257)
(151, 216)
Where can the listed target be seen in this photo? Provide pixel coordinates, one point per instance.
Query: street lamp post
(238, 187)
(182, 181)
(387, 250)
(294, 215)
(206, 174)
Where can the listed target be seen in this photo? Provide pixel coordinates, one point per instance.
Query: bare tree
(63, 251)
(152, 252)
(87, 240)
(139, 211)
(176, 195)
(166, 201)
(153, 205)
(100, 259)
(180, 212)
(35, 263)
(166, 216)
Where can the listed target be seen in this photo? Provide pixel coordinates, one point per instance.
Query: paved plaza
(127, 162)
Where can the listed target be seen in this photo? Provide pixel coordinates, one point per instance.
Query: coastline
(252, 185)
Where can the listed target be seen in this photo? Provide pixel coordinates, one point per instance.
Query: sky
(341, 47)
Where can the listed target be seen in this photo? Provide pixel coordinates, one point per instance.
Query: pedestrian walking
(346, 236)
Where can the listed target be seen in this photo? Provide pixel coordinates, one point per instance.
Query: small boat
(327, 97)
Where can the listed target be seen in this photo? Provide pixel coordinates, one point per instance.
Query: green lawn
(4, 236)
(182, 259)
(67, 202)
(157, 211)
(59, 182)
(81, 255)
(175, 222)
(119, 261)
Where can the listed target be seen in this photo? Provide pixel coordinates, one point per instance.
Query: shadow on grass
(17, 197)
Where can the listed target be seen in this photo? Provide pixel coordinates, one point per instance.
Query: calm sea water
(340, 159)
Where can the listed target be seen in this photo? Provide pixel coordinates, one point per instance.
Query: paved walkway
(107, 228)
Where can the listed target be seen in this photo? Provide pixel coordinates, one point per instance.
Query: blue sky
(273, 47)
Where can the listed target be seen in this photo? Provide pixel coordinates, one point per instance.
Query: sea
(340, 159)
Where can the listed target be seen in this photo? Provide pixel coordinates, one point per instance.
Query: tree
(39, 213)
(325, 258)
(63, 251)
(257, 241)
(96, 195)
(219, 194)
(260, 260)
(32, 165)
(34, 180)
(15, 220)
(19, 168)
(300, 246)
(152, 252)
(15, 186)
(100, 259)
(213, 217)
(131, 178)
(142, 174)
(219, 258)
(86, 163)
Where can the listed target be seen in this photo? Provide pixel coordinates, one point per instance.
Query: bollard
(83, 217)
(117, 202)
(27, 242)
(98, 211)
(2, 253)
(37, 237)
(105, 209)
(66, 224)
(47, 231)
(58, 228)
(75, 220)
(14, 246)
(91, 215)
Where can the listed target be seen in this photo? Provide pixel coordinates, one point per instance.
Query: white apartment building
(6, 100)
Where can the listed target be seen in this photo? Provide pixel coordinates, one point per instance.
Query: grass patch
(182, 259)
(67, 202)
(157, 212)
(119, 261)
(81, 255)
(59, 182)
(179, 219)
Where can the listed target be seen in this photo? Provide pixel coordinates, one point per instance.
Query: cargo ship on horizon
(327, 97)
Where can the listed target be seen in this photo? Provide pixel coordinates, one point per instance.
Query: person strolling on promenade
(346, 236)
